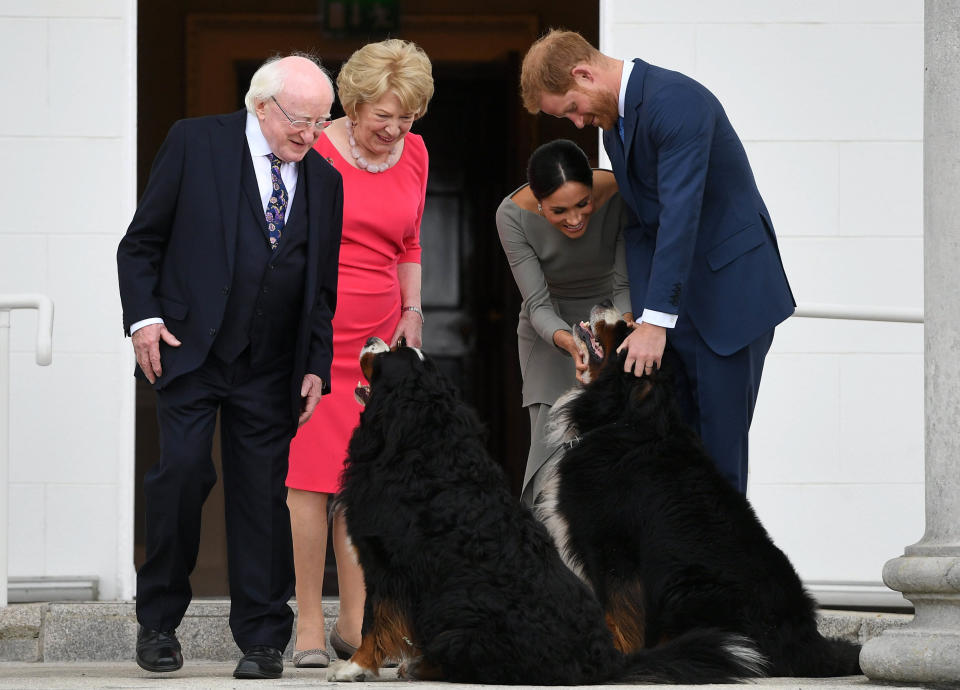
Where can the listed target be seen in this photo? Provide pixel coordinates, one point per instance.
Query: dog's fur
(463, 583)
(640, 513)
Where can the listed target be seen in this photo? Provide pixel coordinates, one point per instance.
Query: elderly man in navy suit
(228, 280)
(702, 258)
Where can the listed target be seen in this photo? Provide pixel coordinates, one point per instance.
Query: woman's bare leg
(350, 578)
(308, 522)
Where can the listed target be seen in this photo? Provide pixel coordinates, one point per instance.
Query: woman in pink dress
(383, 88)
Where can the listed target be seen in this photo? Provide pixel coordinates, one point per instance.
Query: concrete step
(106, 631)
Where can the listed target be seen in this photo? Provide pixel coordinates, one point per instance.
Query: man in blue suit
(702, 258)
(228, 280)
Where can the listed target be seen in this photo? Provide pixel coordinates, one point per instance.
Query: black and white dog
(463, 583)
(640, 514)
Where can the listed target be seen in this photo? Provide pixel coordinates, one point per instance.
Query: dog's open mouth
(362, 393)
(587, 333)
(372, 348)
(583, 332)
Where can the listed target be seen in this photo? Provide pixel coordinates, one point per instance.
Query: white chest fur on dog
(560, 433)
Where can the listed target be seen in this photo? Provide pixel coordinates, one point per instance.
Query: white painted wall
(68, 190)
(828, 99)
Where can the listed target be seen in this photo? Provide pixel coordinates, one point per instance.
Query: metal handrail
(44, 307)
(860, 313)
(44, 355)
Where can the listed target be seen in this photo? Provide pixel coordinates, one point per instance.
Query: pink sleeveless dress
(381, 228)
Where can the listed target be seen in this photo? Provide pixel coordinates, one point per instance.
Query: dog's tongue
(362, 393)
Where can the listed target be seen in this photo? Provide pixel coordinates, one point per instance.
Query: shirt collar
(624, 80)
(255, 139)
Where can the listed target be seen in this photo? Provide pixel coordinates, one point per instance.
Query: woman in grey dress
(562, 234)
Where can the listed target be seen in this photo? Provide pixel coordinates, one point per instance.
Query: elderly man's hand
(146, 345)
(310, 390)
(644, 347)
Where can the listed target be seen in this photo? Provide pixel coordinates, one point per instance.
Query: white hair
(267, 81)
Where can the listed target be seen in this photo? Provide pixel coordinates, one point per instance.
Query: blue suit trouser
(717, 395)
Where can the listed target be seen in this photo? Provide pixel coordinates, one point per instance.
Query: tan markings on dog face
(626, 618)
(372, 348)
(605, 334)
(390, 635)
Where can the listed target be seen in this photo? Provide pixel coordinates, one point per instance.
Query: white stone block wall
(828, 99)
(68, 190)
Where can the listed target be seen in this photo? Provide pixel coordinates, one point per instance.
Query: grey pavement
(91, 645)
(218, 674)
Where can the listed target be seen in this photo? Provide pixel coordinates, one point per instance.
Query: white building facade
(828, 100)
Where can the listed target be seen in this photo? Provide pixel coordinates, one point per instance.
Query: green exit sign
(360, 17)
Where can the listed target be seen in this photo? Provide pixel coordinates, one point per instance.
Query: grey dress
(560, 279)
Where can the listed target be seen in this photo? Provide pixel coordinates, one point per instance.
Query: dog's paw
(347, 671)
(407, 670)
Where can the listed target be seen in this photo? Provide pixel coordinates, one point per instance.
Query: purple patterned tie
(277, 204)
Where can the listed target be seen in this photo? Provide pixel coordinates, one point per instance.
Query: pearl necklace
(362, 162)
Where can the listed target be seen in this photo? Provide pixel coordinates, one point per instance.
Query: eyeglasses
(301, 125)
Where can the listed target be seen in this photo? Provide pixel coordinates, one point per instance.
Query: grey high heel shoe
(344, 649)
(311, 658)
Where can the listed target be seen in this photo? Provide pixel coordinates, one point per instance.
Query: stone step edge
(106, 631)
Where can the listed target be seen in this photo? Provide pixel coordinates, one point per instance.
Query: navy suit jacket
(704, 247)
(177, 258)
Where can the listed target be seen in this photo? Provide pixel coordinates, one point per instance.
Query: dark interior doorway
(478, 137)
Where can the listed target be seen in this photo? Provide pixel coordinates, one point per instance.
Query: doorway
(478, 137)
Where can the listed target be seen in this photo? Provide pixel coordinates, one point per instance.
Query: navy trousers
(717, 395)
(255, 433)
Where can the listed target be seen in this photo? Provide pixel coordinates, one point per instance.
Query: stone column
(928, 573)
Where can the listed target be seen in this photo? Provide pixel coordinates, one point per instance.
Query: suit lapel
(228, 144)
(311, 194)
(251, 191)
(618, 151)
(614, 149)
(632, 104)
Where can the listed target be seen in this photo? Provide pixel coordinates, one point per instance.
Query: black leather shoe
(260, 661)
(158, 651)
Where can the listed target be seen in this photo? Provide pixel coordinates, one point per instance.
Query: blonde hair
(392, 65)
(267, 81)
(548, 65)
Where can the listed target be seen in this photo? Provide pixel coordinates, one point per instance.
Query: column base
(913, 656)
(927, 650)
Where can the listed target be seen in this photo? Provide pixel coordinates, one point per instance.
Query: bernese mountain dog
(639, 512)
(463, 583)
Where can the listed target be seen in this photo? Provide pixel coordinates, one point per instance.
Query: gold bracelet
(416, 309)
